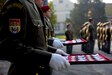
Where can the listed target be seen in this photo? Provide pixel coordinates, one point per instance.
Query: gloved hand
(57, 43)
(58, 62)
(61, 52)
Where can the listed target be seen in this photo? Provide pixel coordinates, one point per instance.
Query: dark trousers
(69, 49)
(83, 48)
(106, 46)
(99, 48)
(88, 47)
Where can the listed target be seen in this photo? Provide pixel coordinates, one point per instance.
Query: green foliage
(98, 10)
(53, 16)
(85, 9)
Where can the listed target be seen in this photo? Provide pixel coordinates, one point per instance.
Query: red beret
(45, 8)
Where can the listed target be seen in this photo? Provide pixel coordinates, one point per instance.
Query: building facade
(62, 10)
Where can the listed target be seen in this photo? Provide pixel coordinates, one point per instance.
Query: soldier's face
(48, 13)
(39, 2)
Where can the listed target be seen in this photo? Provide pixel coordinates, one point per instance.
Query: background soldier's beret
(45, 8)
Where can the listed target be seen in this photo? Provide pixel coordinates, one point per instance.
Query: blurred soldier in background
(89, 35)
(104, 33)
(106, 37)
(69, 37)
(49, 27)
(98, 34)
(111, 29)
(91, 38)
(84, 33)
(101, 35)
(55, 42)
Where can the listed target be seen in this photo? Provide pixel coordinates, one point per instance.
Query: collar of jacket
(47, 18)
(48, 23)
(34, 14)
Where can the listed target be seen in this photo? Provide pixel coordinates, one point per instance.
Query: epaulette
(98, 24)
(106, 23)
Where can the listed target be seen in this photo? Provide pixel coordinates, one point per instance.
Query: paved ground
(90, 69)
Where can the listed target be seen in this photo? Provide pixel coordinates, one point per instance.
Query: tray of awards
(74, 42)
(88, 59)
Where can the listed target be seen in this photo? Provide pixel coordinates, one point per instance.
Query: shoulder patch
(14, 26)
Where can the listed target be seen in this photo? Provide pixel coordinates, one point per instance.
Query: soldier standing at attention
(84, 32)
(91, 39)
(69, 37)
(98, 34)
(47, 14)
(107, 37)
(55, 42)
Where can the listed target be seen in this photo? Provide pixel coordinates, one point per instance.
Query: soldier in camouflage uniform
(106, 38)
(89, 35)
(98, 34)
(83, 33)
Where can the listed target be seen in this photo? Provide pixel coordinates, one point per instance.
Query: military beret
(45, 8)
